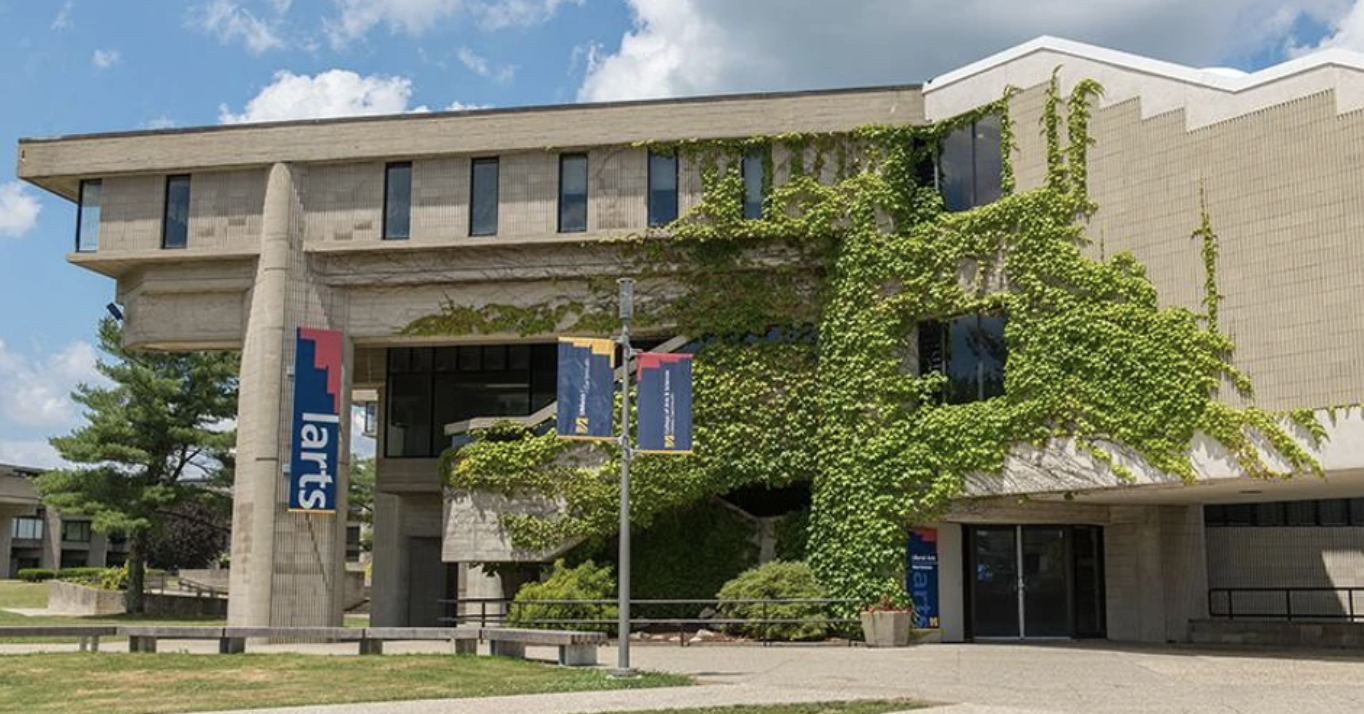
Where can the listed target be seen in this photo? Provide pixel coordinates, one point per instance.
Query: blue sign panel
(587, 384)
(664, 403)
(923, 576)
(317, 421)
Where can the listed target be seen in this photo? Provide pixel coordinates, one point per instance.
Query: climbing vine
(808, 317)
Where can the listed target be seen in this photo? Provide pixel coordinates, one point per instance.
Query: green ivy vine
(854, 249)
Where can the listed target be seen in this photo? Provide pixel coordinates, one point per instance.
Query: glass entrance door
(1035, 581)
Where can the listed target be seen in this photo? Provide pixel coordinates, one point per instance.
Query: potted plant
(887, 623)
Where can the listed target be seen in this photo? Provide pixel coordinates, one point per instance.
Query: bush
(114, 578)
(587, 581)
(774, 581)
(80, 574)
(36, 575)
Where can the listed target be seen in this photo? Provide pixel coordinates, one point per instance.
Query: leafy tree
(361, 497)
(153, 440)
(194, 533)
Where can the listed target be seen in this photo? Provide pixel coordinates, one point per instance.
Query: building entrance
(1034, 582)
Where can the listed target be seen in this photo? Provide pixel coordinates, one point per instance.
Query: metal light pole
(627, 310)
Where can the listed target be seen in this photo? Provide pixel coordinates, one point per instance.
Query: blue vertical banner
(923, 576)
(587, 383)
(664, 403)
(317, 421)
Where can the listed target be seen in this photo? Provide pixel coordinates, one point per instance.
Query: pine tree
(154, 437)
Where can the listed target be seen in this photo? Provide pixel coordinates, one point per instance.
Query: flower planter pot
(887, 628)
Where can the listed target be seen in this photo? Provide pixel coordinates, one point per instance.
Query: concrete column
(6, 544)
(1184, 568)
(287, 568)
(951, 583)
(51, 555)
(388, 589)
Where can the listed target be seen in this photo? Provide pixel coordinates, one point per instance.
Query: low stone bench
(576, 649)
(234, 638)
(464, 639)
(87, 635)
(144, 638)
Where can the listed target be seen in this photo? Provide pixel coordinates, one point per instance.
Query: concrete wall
(1155, 572)
(65, 598)
(396, 520)
(1287, 557)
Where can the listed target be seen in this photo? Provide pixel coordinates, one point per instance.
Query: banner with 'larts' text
(587, 384)
(664, 403)
(317, 421)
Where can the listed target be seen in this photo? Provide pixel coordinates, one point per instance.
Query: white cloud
(230, 22)
(161, 122)
(18, 210)
(682, 47)
(35, 390)
(104, 59)
(480, 66)
(334, 93)
(355, 19)
(1346, 31)
(63, 20)
(29, 452)
(519, 13)
(462, 107)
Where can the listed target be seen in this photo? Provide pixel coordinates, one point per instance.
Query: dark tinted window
(175, 221)
(1269, 514)
(572, 193)
(483, 198)
(87, 217)
(1335, 512)
(753, 168)
(662, 189)
(970, 165)
(970, 350)
(1301, 513)
(398, 201)
(76, 531)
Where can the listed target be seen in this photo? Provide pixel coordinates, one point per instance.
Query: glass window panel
(483, 198)
(409, 416)
(1240, 514)
(956, 166)
(87, 219)
(446, 359)
(989, 164)
(662, 189)
(976, 355)
(753, 168)
(1357, 511)
(175, 221)
(518, 357)
(398, 202)
(1301, 513)
(572, 193)
(1214, 515)
(1269, 514)
(470, 359)
(76, 531)
(1334, 512)
(495, 358)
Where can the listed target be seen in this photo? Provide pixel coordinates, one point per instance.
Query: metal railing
(1288, 604)
(493, 612)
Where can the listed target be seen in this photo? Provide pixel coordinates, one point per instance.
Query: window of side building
(752, 168)
(662, 189)
(175, 219)
(971, 164)
(76, 531)
(87, 216)
(573, 193)
(398, 201)
(483, 197)
(27, 528)
(970, 350)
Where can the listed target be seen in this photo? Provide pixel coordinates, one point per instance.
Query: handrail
(552, 409)
(1288, 612)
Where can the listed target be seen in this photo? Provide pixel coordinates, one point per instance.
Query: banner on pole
(923, 576)
(317, 421)
(587, 383)
(664, 403)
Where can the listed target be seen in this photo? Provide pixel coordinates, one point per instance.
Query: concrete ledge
(543, 637)
(1277, 634)
(394, 634)
(318, 634)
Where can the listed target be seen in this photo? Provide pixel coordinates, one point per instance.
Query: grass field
(868, 707)
(155, 683)
(18, 594)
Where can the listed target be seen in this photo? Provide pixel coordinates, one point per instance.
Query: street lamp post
(627, 310)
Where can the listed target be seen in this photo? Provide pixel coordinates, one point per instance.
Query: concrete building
(231, 237)
(32, 536)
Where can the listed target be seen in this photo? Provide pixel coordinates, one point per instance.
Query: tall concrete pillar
(6, 544)
(51, 555)
(287, 568)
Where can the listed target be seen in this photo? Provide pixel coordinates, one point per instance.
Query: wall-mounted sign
(664, 403)
(317, 421)
(587, 384)
(923, 576)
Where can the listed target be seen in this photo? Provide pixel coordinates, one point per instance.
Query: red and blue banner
(923, 576)
(317, 421)
(664, 403)
(587, 383)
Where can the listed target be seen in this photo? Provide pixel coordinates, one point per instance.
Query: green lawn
(15, 593)
(868, 707)
(165, 682)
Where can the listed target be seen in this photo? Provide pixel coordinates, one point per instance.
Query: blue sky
(73, 66)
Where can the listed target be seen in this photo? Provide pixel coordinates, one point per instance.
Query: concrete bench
(87, 635)
(234, 638)
(144, 638)
(464, 639)
(576, 649)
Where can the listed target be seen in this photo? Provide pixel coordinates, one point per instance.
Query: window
(175, 222)
(1329, 513)
(970, 350)
(753, 169)
(572, 193)
(662, 189)
(398, 201)
(483, 198)
(76, 531)
(87, 217)
(970, 165)
(27, 528)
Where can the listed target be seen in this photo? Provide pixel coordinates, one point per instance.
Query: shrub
(587, 581)
(773, 581)
(80, 574)
(114, 578)
(36, 575)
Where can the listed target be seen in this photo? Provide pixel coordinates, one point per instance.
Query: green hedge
(80, 573)
(587, 581)
(775, 581)
(36, 575)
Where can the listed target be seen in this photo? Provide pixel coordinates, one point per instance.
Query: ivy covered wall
(805, 366)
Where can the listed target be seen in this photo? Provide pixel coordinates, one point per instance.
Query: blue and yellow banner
(317, 421)
(587, 384)
(922, 576)
(664, 403)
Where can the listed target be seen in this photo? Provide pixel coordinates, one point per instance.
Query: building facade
(32, 536)
(233, 237)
